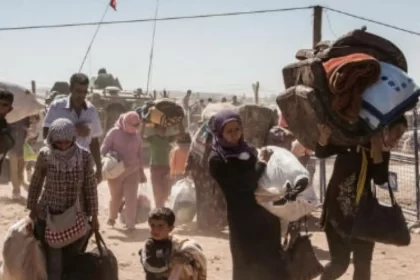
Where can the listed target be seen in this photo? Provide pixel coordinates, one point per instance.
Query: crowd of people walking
(225, 173)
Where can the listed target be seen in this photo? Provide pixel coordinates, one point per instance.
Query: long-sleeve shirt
(61, 189)
(127, 147)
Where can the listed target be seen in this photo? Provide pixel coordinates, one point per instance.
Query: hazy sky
(218, 54)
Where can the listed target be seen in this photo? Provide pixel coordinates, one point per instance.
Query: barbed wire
(240, 13)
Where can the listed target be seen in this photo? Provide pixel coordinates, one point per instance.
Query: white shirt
(60, 108)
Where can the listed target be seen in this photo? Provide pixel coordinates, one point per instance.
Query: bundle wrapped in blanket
(163, 112)
(257, 121)
(341, 84)
(188, 260)
(348, 76)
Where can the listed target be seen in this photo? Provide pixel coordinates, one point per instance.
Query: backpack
(307, 99)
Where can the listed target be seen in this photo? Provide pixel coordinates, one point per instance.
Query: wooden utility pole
(316, 38)
(33, 86)
(256, 89)
(317, 26)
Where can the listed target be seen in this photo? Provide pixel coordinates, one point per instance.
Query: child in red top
(178, 157)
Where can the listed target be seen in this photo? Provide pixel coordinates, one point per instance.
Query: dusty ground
(388, 263)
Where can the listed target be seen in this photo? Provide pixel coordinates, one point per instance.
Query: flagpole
(94, 37)
(149, 72)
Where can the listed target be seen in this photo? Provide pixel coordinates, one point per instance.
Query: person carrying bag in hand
(354, 169)
(66, 212)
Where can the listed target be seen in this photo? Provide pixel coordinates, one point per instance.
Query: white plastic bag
(111, 167)
(305, 203)
(282, 167)
(283, 172)
(183, 200)
(143, 207)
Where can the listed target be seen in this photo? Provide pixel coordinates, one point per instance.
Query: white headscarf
(67, 160)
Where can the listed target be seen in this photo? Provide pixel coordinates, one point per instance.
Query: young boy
(161, 252)
(6, 140)
(156, 254)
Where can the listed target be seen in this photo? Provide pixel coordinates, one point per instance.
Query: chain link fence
(403, 167)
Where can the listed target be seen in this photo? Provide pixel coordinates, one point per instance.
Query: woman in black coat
(254, 232)
(340, 207)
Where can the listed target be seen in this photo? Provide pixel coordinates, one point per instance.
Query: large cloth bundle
(284, 188)
(195, 264)
(328, 84)
(183, 201)
(257, 121)
(25, 103)
(211, 109)
(164, 112)
(23, 257)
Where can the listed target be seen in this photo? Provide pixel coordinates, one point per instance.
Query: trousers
(125, 187)
(57, 258)
(340, 250)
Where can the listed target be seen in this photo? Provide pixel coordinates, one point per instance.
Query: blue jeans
(57, 258)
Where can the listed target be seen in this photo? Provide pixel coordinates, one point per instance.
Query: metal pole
(94, 37)
(416, 162)
(152, 47)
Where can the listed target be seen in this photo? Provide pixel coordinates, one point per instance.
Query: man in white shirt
(84, 116)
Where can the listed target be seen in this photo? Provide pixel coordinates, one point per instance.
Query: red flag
(113, 4)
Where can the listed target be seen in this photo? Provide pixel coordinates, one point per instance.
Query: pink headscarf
(128, 122)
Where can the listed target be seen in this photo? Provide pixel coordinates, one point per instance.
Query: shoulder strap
(362, 176)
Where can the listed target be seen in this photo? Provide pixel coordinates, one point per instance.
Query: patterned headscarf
(224, 149)
(63, 130)
(128, 122)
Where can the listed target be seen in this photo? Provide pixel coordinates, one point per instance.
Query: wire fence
(403, 167)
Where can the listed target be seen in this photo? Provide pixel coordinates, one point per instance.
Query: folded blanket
(348, 76)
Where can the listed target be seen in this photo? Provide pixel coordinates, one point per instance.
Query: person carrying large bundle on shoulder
(357, 85)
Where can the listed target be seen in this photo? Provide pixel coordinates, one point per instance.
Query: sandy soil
(389, 262)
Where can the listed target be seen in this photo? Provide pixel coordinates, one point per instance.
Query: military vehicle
(111, 102)
(60, 89)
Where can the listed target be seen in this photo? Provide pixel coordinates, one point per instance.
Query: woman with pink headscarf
(124, 142)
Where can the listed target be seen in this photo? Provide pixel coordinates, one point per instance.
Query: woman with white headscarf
(64, 175)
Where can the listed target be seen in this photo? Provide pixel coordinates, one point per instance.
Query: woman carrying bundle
(254, 232)
(340, 202)
(125, 142)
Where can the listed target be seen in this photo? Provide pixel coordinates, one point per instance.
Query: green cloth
(160, 147)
